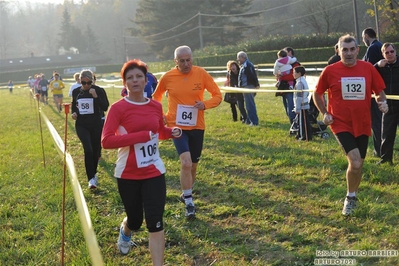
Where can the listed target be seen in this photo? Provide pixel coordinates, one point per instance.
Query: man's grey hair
(347, 39)
(182, 48)
(242, 54)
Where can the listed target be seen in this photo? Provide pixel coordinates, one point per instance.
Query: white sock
(351, 194)
(188, 196)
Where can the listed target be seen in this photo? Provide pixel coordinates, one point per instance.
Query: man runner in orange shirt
(185, 86)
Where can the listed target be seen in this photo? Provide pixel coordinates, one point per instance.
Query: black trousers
(89, 133)
(390, 122)
(305, 129)
(241, 107)
(376, 124)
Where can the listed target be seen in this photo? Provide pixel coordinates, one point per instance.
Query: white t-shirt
(73, 86)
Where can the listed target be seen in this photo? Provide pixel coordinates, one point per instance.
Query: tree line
(151, 29)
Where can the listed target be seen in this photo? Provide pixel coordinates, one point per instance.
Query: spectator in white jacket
(301, 103)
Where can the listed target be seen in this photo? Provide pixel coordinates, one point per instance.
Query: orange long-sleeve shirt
(185, 90)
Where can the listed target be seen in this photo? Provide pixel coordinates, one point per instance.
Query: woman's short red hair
(132, 64)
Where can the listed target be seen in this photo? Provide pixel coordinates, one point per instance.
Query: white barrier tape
(110, 80)
(245, 90)
(84, 215)
(310, 79)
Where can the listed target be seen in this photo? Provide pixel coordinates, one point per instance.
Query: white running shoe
(349, 205)
(93, 183)
(124, 242)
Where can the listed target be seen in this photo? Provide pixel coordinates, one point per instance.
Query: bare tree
(166, 24)
(325, 16)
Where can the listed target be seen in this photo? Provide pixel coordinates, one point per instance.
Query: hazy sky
(44, 1)
(33, 2)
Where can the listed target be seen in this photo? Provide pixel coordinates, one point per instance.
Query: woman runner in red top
(133, 126)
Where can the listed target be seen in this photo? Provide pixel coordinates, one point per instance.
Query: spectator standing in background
(389, 71)
(232, 81)
(288, 98)
(247, 78)
(335, 58)
(301, 103)
(373, 55)
(283, 67)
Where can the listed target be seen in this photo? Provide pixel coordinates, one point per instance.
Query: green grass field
(262, 197)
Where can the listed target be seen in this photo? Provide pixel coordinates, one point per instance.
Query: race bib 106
(147, 153)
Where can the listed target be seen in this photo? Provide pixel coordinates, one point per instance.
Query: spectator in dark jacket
(247, 78)
(335, 58)
(389, 70)
(373, 55)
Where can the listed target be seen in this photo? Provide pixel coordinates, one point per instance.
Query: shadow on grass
(284, 202)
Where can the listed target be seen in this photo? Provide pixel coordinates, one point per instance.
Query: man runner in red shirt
(350, 84)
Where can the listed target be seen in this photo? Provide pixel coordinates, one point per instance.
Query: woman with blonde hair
(88, 104)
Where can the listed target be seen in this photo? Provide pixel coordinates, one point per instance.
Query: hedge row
(313, 48)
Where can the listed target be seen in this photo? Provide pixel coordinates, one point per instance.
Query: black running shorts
(349, 142)
(190, 140)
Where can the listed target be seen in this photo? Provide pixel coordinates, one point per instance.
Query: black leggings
(148, 195)
(89, 134)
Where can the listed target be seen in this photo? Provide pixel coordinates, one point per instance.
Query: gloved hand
(383, 106)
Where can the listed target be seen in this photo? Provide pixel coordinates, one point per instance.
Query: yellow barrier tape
(392, 97)
(84, 215)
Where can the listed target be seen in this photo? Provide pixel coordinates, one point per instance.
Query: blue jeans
(249, 99)
(288, 101)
